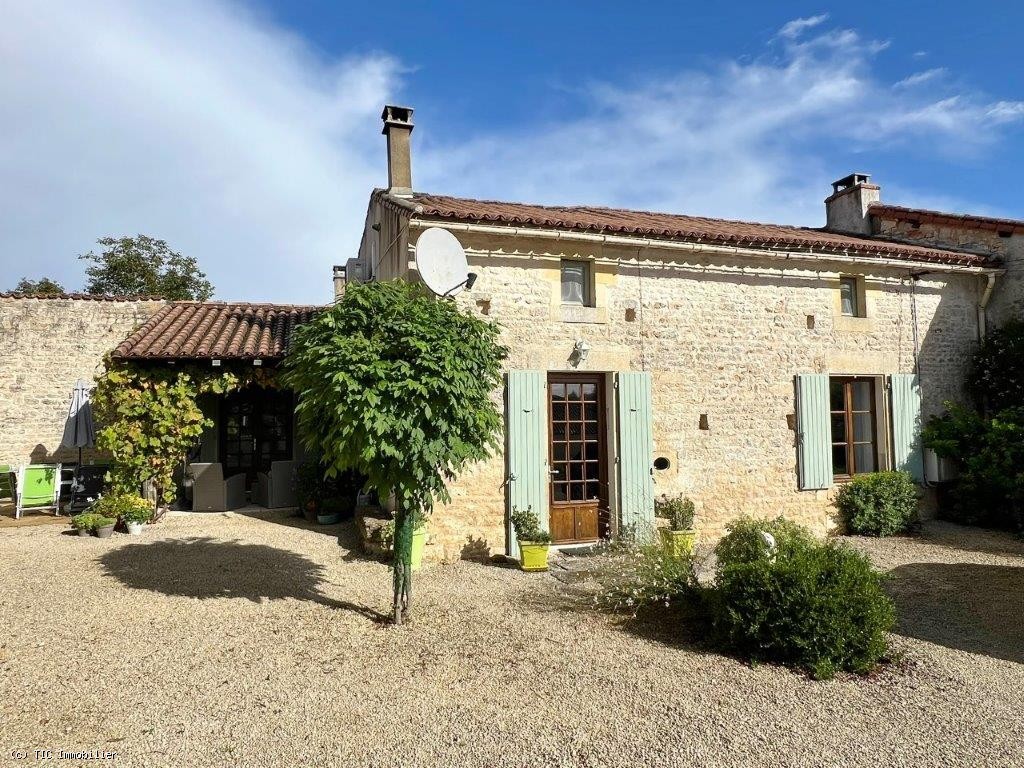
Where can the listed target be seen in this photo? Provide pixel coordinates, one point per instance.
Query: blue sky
(247, 134)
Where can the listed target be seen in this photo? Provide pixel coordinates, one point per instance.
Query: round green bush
(879, 504)
(816, 606)
(745, 542)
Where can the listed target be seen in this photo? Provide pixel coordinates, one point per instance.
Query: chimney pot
(398, 127)
(846, 209)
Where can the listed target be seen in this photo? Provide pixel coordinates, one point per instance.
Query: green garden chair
(38, 488)
(8, 481)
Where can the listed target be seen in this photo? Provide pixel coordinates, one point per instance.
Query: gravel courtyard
(238, 641)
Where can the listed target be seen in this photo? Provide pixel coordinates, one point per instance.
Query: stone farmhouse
(752, 367)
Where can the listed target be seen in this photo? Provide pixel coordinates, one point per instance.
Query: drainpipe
(983, 304)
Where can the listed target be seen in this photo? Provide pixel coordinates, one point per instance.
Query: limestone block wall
(45, 346)
(722, 337)
(1008, 297)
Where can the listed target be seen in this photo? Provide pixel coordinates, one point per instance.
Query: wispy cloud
(919, 78)
(753, 140)
(796, 27)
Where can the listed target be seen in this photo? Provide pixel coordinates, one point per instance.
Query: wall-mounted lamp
(580, 352)
(215, 362)
(257, 362)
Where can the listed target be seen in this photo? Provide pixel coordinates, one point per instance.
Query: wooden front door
(578, 457)
(255, 429)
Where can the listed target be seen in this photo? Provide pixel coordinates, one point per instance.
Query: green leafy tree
(398, 385)
(996, 379)
(143, 265)
(44, 286)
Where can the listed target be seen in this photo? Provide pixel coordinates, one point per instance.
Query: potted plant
(330, 511)
(104, 526)
(534, 542)
(679, 535)
(84, 523)
(309, 487)
(136, 513)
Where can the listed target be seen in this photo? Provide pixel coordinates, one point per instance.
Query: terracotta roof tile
(207, 330)
(80, 297)
(966, 220)
(679, 227)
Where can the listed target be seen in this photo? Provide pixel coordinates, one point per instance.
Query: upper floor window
(849, 297)
(854, 432)
(576, 282)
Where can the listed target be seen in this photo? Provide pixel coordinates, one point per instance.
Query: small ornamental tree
(397, 385)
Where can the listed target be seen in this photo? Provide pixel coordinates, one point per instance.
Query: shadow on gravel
(966, 606)
(207, 568)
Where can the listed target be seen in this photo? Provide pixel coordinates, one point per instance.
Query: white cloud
(195, 122)
(919, 78)
(740, 140)
(796, 27)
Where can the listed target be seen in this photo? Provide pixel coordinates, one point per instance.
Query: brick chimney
(846, 209)
(398, 127)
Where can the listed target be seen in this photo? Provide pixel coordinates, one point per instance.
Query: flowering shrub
(634, 576)
(124, 506)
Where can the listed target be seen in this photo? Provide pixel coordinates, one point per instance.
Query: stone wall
(47, 344)
(1008, 297)
(723, 337)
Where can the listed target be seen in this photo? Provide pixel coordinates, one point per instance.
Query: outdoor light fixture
(580, 352)
(215, 362)
(257, 362)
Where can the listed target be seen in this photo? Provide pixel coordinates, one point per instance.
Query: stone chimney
(846, 209)
(339, 282)
(398, 128)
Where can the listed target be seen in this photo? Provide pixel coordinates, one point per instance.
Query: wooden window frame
(848, 414)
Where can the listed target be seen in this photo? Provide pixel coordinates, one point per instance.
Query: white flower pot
(135, 529)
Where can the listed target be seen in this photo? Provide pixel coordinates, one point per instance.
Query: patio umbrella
(79, 430)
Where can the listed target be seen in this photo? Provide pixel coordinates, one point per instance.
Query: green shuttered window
(636, 449)
(527, 466)
(814, 431)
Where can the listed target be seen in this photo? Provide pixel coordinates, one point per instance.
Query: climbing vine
(149, 417)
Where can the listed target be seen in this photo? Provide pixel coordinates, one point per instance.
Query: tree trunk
(402, 564)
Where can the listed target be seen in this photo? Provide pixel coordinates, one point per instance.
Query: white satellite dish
(441, 262)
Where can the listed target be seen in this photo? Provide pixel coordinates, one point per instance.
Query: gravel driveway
(237, 641)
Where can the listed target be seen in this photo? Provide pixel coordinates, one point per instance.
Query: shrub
(527, 526)
(879, 503)
(996, 380)
(678, 509)
(636, 576)
(745, 541)
(102, 522)
(124, 506)
(816, 606)
(989, 454)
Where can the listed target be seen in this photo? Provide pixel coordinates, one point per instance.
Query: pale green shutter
(814, 431)
(636, 449)
(526, 455)
(906, 424)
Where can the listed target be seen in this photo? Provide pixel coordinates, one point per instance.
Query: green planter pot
(419, 540)
(533, 556)
(679, 543)
(329, 519)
